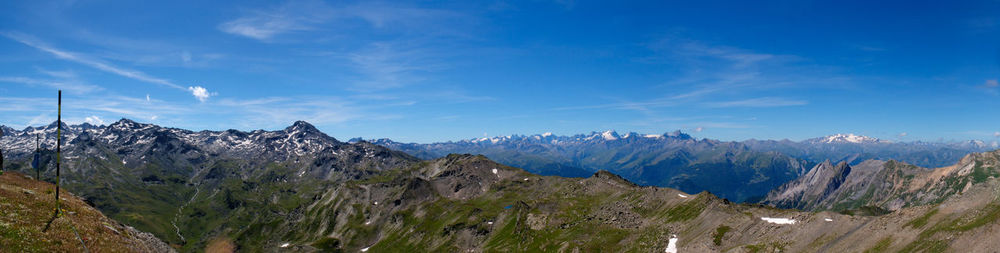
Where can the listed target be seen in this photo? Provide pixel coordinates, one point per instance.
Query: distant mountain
(846, 138)
(890, 185)
(854, 149)
(739, 171)
(728, 169)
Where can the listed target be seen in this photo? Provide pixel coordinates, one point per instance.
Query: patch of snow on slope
(682, 195)
(672, 244)
(780, 221)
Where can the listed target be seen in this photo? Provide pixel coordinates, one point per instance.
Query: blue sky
(436, 71)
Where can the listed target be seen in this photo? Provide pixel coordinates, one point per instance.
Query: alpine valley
(298, 189)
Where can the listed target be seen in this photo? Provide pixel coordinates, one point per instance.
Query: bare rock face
(888, 185)
(823, 180)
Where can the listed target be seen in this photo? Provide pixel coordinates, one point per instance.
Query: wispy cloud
(280, 111)
(309, 15)
(74, 57)
(67, 85)
(991, 86)
(991, 83)
(97, 106)
(94, 120)
(390, 65)
(759, 102)
(713, 72)
(290, 17)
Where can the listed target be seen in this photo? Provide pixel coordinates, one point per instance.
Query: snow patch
(494, 171)
(285, 245)
(365, 249)
(682, 195)
(828, 219)
(780, 221)
(672, 244)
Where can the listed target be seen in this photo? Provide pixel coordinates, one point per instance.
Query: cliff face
(889, 185)
(818, 184)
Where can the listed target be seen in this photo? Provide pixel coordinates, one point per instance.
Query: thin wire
(77, 235)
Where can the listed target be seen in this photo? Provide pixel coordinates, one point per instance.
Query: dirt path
(181, 208)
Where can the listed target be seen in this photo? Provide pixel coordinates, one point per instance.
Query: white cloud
(147, 98)
(199, 92)
(760, 102)
(699, 129)
(996, 134)
(94, 120)
(903, 134)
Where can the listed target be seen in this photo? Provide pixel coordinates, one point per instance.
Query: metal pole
(58, 147)
(38, 151)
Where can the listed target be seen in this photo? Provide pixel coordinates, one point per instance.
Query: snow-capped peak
(609, 135)
(547, 134)
(849, 138)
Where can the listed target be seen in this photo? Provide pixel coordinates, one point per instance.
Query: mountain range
(299, 189)
(190, 187)
(729, 169)
(740, 171)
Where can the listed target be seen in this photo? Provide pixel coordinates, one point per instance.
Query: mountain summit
(846, 138)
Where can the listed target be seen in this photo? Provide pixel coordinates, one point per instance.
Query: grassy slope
(28, 205)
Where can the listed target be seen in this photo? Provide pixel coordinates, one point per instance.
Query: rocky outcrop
(884, 184)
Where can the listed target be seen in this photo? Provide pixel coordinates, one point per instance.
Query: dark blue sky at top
(437, 71)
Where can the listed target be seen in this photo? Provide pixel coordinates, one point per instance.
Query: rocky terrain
(888, 185)
(469, 203)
